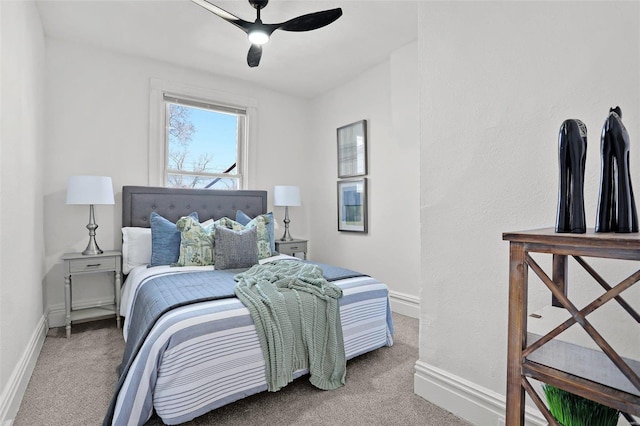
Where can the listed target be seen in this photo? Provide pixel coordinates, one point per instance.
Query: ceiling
(179, 31)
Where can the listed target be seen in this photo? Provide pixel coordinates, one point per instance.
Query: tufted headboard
(172, 203)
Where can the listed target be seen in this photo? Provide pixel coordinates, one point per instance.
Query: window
(224, 130)
(203, 144)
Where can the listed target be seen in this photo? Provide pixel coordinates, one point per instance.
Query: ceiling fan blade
(311, 21)
(255, 53)
(240, 23)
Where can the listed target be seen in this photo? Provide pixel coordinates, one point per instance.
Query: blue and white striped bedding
(205, 355)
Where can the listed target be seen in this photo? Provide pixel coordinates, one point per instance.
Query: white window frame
(157, 123)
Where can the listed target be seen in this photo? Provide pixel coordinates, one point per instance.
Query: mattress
(202, 356)
(575, 352)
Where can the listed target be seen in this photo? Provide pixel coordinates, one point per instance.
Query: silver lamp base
(286, 236)
(92, 248)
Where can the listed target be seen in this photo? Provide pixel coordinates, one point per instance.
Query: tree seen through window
(202, 148)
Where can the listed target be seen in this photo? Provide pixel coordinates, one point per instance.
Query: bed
(190, 358)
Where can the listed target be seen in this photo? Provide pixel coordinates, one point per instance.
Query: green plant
(573, 410)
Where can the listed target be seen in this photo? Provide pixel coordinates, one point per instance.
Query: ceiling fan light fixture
(259, 33)
(258, 36)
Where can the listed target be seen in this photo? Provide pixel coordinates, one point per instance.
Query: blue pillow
(165, 240)
(243, 219)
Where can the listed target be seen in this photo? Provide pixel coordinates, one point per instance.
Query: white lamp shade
(90, 190)
(286, 196)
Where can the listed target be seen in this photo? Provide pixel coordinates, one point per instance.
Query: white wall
(387, 97)
(97, 105)
(22, 325)
(497, 80)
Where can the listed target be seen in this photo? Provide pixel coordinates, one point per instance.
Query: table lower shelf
(575, 352)
(93, 312)
(617, 399)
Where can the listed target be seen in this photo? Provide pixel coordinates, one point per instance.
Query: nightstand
(292, 247)
(79, 264)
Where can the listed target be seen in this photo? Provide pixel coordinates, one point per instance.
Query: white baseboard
(465, 399)
(56, 316)
(14, 391)
(404, 304)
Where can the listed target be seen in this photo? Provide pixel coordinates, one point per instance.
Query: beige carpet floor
(74, 378)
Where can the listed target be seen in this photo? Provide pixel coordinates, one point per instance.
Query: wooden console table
(519, 368)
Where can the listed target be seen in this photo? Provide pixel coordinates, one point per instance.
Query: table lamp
(90, 190)
(286, 196)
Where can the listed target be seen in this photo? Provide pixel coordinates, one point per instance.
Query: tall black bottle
(616, 204)
(572, 155)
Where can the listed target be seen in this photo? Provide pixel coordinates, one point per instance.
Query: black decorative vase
(616, 205)
(572, 155)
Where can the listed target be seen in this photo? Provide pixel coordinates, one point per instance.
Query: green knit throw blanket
(297, 317)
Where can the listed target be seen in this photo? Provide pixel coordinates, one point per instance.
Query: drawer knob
(93, 265)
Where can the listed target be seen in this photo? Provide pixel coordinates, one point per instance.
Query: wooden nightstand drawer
(92, 264)
(292, 247)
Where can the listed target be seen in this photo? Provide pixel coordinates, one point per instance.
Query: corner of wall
(404, 304)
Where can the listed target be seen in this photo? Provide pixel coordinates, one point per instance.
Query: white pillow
(136, 248)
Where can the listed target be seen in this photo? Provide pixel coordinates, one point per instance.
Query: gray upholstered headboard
(172, 203)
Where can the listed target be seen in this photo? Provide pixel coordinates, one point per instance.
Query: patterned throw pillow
(264, 244)
(196, 243)
(243, 219)
(165, 240)
(236, 249)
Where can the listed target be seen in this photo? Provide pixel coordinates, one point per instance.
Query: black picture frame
(352, 149)
(352, 205)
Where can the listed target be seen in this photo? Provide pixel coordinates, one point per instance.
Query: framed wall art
(352, 149)
(352, 205)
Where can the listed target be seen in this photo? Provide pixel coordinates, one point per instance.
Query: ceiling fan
(259, 33)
